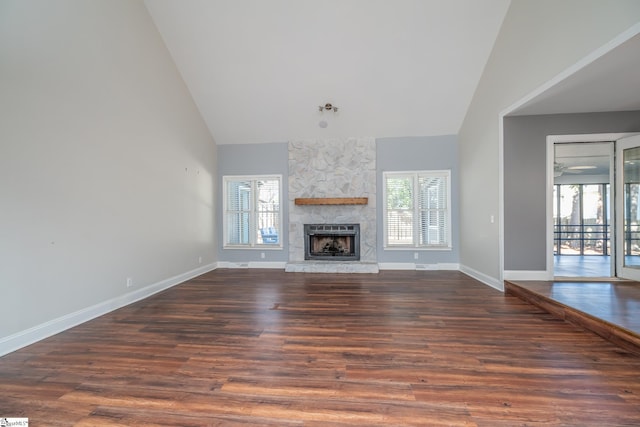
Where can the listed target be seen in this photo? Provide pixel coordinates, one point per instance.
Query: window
(252, 215)
(417, 209)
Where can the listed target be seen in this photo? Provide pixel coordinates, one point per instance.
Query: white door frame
(623, 271)
(551, 140)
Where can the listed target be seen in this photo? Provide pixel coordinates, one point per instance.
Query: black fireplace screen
(332, 242)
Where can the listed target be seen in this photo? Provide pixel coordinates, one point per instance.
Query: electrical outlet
(415, 255)
(129, 282)
(199, 260)
(262, 255)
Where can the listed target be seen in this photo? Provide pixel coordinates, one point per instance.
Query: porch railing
(581, 239)
(592, 239)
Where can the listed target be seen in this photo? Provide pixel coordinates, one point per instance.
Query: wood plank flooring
(264, 347)
(610, 309)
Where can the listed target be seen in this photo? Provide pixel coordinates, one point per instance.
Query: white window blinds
(433, 198)
(417, 209)
(400, 210)
(252, 211)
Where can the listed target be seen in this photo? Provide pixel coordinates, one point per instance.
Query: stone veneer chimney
(332, 168)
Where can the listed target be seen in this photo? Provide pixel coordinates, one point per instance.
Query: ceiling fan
(560, 168)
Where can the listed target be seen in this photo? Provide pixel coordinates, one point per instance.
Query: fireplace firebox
(332, 242)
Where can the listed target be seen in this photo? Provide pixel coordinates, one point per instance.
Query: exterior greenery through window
(417, 210)
(582, 221)
(252, 216)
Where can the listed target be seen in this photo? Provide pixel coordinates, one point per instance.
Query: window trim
(253, 244)
(414, 175)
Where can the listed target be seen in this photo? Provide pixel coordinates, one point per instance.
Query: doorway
(594, 186)
(582, 206)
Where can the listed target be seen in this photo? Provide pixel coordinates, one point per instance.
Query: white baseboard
(263, 264)
(396, 266)
(381, 265)
(413, 266)
(439, 266)
(227, 264)
(39, 332)
(481, 277)
(526, 275)
(253, 264)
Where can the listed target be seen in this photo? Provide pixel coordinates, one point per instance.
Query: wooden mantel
(332, 201)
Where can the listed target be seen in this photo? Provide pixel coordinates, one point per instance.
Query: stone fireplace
(332, 242)
(332, 168)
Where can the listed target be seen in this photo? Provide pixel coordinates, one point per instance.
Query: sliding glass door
(627, 207)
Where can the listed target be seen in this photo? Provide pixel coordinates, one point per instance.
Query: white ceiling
(258, 70)
(610, 83)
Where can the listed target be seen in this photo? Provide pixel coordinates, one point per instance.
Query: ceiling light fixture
(579, 168)
(328, 106)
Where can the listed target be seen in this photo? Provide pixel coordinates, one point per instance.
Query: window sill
(255, 247)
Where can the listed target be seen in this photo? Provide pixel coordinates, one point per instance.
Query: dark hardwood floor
(610, 309)
(264, 347)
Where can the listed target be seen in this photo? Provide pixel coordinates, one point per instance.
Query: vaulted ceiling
(258, 70)
(611, 82)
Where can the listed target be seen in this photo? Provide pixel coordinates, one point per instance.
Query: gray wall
(538, 41)
(418, 153)
(393, 154)
(107, 169)
(254, 159)
(525, 177)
